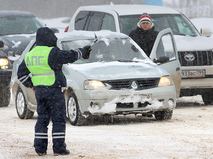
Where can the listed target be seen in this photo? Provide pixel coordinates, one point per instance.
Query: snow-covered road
(188, 135)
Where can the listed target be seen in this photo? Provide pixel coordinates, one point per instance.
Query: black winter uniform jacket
(144, 38)
(56, 59)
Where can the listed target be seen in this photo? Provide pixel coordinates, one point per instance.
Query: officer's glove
(87, 50)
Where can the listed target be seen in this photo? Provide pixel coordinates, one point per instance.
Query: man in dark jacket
(144, 35)
(41, 70)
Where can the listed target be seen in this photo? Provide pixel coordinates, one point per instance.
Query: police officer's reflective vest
(37, 62)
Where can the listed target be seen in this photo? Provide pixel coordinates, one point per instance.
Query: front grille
(18, 52)
(201, 58)
(15, 52)
(145, 83)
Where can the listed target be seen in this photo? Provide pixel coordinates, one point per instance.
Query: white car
(118, 78)
(195, 50)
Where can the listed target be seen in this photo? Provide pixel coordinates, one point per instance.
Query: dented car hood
(117, 70)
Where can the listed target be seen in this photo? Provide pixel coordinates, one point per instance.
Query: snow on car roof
(16, 13)
(82, 35)
(132, 9)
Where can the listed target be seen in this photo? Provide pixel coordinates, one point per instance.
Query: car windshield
(179, 24)
(18, 25)
(108, 50)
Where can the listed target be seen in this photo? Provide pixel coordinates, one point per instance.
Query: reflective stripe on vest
(44, 74)
(37, 62)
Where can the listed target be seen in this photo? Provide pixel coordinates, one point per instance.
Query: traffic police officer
(44, 64)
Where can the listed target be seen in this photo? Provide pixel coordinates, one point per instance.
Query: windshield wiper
(193, 35)
(127, 61)
(181, 34)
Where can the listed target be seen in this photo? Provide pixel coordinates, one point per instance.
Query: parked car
(18, 28)
(195, 51)
(118, 78)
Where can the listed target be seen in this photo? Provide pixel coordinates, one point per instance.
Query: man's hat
(145, 18)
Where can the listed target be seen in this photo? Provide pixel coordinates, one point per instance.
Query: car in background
(18, 28)
(5, 76)
(118, 78)
(194, 49)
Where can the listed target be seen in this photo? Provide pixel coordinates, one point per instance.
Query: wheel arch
(66, 95)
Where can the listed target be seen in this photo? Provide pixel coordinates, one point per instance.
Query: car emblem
(189, 57)
(134, 85)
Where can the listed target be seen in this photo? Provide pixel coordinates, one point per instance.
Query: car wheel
(74, 115)
(21, 106)
(164, 115)
(5, 97)
(207, 98)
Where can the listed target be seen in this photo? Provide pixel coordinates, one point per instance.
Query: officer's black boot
(41, 154)
(65, 152)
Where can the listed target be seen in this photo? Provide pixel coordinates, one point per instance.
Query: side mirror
(1, 44)
(206, 32)
(162, 59)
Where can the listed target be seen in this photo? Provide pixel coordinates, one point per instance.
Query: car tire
(21, 106)
(207, 98)
(163, 115)
(74, 115)
(5, 97)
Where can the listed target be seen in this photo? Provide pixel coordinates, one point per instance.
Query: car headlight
(93, 85)
(165, 81)
(4, 63)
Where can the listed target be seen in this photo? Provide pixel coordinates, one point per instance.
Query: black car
(5, 75)
(18, 28)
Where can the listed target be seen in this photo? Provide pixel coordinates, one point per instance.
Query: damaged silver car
(118, 78)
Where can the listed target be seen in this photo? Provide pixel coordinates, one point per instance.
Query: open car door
(164, 53)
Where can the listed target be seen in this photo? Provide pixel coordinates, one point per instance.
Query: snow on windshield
(107, 50)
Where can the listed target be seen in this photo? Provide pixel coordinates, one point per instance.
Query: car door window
(81, 20)
(95, 21)
(165, 47)
(108, 23)
(165, 51)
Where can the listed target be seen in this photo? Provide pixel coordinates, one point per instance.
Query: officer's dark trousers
(50, 105)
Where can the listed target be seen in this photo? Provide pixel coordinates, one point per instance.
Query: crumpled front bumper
(99, 102)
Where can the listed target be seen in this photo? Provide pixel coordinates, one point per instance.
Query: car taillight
(66, 29)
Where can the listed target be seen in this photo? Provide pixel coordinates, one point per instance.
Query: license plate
(193, 73)
(131, 98)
